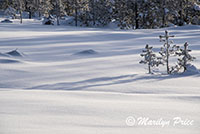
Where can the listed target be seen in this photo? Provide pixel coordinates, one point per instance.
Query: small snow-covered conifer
(185, 57)
(168, 49)
(150, 58)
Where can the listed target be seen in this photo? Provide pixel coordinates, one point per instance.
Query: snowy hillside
(61, 79)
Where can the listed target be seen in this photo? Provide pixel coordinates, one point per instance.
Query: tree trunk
(39, 14)
(76, 17)
(164, 14)
(185, 60)
(136, 16)
(76, 13)
(186, 14)
(58, 12)
(181, 21)
(58, 22)
(30, 14)
(167, 54)
(21, 17)
(93, 13)
(149, 67)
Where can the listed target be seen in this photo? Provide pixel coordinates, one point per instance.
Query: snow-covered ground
(85, 80)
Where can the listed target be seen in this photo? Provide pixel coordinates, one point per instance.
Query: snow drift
(52, 91)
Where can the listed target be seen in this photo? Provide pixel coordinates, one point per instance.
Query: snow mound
(6, 21)
(86, 52)
(15, 53)
(191, 69)
(7, 61)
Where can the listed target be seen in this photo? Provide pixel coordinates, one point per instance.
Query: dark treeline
(125, 13)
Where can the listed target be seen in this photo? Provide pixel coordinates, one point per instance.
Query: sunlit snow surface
(84, 80)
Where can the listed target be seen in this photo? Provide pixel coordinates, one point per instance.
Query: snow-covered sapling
(185, 57)
(167, 49)
(150, 58)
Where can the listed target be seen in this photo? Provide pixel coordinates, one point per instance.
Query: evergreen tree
(77, 8)
(121, 13)
(150, 58)
(126, 13)
(30, 6)
(4, 4)
(45, 7)
(100, 12)
(58, 9)
(104, 12)
(185, 57)
(167, 50)
(20, 6)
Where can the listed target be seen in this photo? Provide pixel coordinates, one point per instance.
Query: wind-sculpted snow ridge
(3, 55)
(8, 61)
(78, 112)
